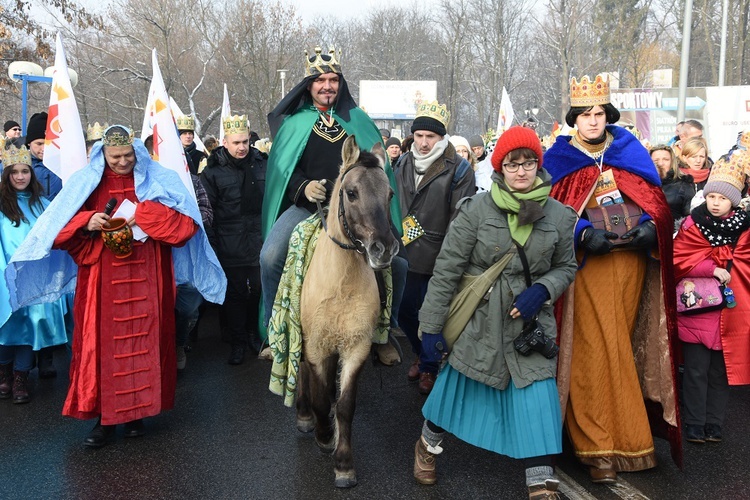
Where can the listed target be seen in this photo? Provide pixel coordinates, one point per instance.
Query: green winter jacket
(477, 238)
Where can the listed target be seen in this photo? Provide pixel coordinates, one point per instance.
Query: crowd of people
(621, 271)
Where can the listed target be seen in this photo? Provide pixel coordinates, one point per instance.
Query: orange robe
(123, 366)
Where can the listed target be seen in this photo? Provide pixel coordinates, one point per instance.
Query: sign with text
(395, 100)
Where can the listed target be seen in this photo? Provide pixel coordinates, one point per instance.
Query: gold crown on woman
(586, 93)
(434, 110)
(14, 156)
(235, 124)
(95, 132)
(320, 63)
(117, 137)
(185, 122)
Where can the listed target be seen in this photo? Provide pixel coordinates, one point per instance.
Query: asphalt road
(229, 437)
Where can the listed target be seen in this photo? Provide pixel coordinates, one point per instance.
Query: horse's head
(363, 203)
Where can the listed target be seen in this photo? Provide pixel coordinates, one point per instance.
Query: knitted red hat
(515, 138)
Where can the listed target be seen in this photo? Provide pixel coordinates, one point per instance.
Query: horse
(340, 303)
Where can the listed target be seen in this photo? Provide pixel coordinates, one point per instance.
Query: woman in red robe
(123, 366)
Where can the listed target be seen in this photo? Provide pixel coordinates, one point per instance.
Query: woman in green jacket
(497, 389)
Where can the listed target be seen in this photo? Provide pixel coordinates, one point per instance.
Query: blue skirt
(519, 423)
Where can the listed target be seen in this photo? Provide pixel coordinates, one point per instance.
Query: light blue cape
(38, 274)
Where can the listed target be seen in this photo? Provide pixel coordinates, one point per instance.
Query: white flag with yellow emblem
(160, 123)
(63, 138)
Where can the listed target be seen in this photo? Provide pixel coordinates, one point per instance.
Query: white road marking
(574, 491)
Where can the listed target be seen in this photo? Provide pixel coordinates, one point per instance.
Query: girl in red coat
(713, 242)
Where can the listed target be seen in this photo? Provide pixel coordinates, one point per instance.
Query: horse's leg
(352, 362)
(305, 420)
(321, 402)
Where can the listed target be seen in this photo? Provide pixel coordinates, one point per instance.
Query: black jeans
(241, 304)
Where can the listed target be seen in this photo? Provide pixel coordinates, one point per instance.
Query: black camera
(532, 338)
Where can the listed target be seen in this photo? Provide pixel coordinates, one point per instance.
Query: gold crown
(745, 139)
(235, 124)
(435, 111)
(320, 63)
(95, 132)
(117, 137)
(14, 156)
(732, 171)
(588, 93)
(186, 122)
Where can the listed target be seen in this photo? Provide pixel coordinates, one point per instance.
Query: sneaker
(695, 434)
(181, 358)
(424, 463)
(713, 433)
(545, 491)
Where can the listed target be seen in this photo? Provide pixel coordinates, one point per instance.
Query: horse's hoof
(305, 424)
(346, 479)
(328, 447)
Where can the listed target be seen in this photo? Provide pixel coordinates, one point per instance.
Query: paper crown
(185, 122)
(588, 93)
(14, 156)
(319, 63)
(731, 171)
(744, 139)
(95, 132)
(117, 137)
(434, 110)
(235, 124)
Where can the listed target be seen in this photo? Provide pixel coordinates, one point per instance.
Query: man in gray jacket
(431, 180)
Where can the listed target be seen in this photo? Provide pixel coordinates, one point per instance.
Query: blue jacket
(51, 183)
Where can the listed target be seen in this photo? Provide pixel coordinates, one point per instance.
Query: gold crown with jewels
(235, 124)
(185, 122)
(118, 137)
(320, 63)
(586, 93)
(434, 110)
(14, 156)
(95, 132)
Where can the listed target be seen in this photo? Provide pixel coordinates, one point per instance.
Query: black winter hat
(427, 123)
(9, 125)
(37, 127)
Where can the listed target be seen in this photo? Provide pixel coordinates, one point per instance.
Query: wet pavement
(229, 437)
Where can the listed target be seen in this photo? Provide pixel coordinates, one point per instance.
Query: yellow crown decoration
(118, 137)
(732, 171)
(95, 132)
(320, 63)
(235, 124)
(587, 93)
(185, 122)
(745, 139)
(435, 111)
(14, 156)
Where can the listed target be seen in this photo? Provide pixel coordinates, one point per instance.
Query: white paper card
(126, 210)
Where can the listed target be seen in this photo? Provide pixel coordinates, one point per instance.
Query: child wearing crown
(30, 328)
(714, 241)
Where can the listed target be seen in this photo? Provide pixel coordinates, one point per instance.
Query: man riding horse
(309, 127)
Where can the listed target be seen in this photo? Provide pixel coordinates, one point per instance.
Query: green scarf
(523, 209)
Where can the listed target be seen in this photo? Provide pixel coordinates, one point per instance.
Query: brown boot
(6, 380)
(424, 463)
(20, 387)
(545, 491)
(426, 382)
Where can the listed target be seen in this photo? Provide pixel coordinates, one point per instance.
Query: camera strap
(524, 263)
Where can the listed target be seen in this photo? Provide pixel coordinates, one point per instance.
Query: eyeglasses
(513, 166)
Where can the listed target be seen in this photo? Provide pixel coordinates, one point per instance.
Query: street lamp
(282, 75)
(25, 72)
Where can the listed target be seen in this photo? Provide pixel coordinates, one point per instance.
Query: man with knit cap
(431, 178)
(51, 183)
(393, 149)
(612, 324)
(477, 145)
(12, 129)
(308, 128)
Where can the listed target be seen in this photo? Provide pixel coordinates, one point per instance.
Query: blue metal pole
(25, 79)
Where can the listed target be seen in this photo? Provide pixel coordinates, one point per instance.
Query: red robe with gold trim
(123, 366)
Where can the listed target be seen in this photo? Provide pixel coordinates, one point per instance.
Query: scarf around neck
(423, 162)
(698, 175)
(720, 231)
(523, 209)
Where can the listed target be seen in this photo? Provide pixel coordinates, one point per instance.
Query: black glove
(598, 241)
(641, 236)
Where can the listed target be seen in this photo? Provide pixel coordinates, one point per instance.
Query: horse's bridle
(356, 242)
